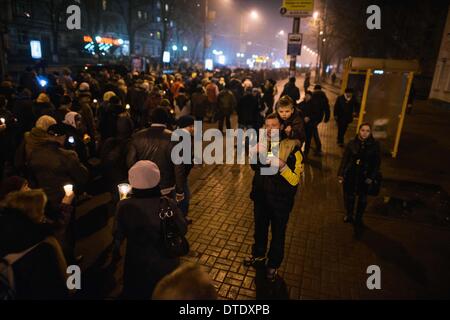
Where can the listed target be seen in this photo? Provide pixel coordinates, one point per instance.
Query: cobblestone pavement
(324, 258)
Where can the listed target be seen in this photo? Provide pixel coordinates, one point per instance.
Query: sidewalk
(323, 258)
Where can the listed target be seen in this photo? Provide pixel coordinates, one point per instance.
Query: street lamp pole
(319, 51)
(205, 23)
(293, 63)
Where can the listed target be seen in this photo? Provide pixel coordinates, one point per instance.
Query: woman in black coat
(358, 170)
(138, 221)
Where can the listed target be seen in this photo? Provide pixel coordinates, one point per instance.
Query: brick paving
(324, 258)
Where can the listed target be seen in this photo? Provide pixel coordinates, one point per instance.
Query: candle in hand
(68, 189)
(124, 190)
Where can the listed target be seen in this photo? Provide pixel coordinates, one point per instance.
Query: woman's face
(364, 132)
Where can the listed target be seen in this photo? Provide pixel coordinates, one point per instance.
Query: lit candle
(124, 190)
(68, 189)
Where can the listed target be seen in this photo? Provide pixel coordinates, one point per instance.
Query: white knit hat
(144, 175)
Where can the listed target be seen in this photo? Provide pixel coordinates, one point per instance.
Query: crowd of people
(62, 133)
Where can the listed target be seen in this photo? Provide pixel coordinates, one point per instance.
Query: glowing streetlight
(281, 33)
(185, 48)
(254, 15)
(321, 32)
(174, 48)
(315, 15)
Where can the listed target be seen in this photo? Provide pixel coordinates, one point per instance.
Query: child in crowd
(291, 120)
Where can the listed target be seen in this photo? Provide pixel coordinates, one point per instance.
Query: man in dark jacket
(155, 144)
(53, 167)
(226, 103)
(273, 197)
(319, 112)
(291, 90)
(344, 110)
(248, 110)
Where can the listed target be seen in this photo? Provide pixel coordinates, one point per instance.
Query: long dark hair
(365, 124)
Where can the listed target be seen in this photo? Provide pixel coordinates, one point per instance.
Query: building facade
(35, 32)
(440, 89)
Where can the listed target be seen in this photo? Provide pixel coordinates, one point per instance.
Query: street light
(174, 48)
(185, 48)
(254, 15)
(281, 33)
(315, 15)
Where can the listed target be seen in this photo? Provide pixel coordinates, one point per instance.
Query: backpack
(7, 285)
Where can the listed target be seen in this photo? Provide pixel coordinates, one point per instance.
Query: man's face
(272, 124)
(190, 129)
(285, 112)
(308, 97)
(348, 96)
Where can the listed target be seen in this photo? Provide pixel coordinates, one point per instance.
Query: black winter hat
(185, 121)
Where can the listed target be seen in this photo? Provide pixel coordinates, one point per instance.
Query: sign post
(295, 44)
(296, 9)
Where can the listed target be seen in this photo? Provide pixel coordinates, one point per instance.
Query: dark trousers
(266, 216)
(342, 129)
(184, 204)
(226, 119)
(349, 200)
(311, 132)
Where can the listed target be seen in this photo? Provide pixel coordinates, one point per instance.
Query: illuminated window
(158, 19)
(139, 14)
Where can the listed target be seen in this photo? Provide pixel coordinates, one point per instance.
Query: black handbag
(173, 243)
(374, 188)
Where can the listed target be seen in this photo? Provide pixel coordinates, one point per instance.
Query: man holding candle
(273, 197)
(53, 166)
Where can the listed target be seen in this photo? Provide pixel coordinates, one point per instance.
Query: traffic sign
(297, 8)
(295, 41)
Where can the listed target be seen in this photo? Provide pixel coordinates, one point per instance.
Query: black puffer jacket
(155, 144)
(320, 107)
(343, 110)
(361, 160)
